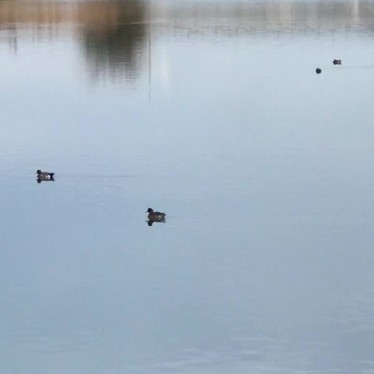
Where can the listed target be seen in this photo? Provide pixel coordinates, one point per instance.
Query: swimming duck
(155, 216)
(337, 62)
(44, 176)
(318, 71)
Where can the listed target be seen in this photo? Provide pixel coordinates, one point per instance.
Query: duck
(318, 71)
(44, 176)
(155, 216)
(337, 62)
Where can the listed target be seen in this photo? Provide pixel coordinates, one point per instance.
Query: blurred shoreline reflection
(114, 36)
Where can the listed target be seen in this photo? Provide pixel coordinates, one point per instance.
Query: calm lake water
(213, 113)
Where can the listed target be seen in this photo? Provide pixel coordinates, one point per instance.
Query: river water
(212, 113)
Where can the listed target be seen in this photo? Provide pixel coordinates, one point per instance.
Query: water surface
(213, 113)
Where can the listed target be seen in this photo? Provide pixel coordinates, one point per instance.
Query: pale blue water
(264, 264)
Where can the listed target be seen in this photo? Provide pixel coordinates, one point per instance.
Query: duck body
(155, 216)
(44, 176)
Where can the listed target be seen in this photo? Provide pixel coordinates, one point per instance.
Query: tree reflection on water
(114, 37)
(112, 34)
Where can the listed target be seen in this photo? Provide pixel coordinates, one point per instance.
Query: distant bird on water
(44, 176)
(318, 71)
(155, 216)
(337, 62)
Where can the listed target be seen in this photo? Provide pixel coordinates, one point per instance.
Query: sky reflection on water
(213, 114)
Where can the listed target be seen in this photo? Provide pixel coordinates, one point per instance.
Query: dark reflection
(40, 180)
(114, 37)
(155, 217)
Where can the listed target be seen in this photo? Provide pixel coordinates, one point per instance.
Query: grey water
(211, 112)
